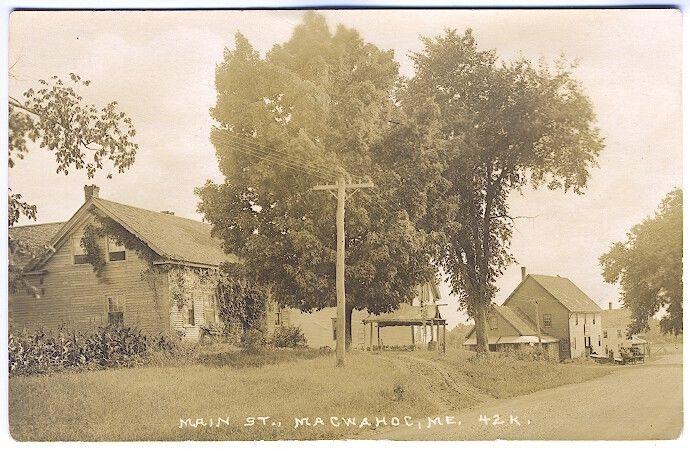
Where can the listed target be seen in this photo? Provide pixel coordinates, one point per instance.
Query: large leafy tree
(82, 137)
(55, 117)
(496, 127)
(649, 267)
(322, 102)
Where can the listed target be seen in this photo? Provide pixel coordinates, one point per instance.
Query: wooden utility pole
(536, 303)
(341, 188)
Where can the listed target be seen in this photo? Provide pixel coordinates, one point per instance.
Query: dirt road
(635, 402)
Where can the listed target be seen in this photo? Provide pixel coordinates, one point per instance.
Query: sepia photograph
(445, 224)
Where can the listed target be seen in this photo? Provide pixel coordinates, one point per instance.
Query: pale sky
(160, 67)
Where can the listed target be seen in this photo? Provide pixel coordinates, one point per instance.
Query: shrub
(253, 340)
(108, 346)
(288, 337)
(211, 332)
(532, 353)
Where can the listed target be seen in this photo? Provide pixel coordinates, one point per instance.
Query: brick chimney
(523, 269)
(90, 191)
(610, 305)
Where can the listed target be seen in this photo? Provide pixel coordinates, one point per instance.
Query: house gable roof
(563, 290)
(516, 320)
(35, 238)
(618, 318)
(171, 237)
(567, 293)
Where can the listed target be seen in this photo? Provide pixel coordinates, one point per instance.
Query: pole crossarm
(347, 186)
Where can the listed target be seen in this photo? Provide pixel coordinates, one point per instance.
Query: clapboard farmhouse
(550, 309)
(171, 291)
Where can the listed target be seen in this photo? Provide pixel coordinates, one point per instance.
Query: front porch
(426, 329)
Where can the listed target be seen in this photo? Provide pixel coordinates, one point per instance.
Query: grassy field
(149, 403)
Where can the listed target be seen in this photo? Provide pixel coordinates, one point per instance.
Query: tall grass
(148, 403)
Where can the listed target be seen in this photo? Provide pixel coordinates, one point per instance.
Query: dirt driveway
(635, 402)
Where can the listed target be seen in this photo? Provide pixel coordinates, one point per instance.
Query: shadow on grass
(259, 358)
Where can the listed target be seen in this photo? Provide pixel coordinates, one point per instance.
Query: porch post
(371, 336)
(378, 335)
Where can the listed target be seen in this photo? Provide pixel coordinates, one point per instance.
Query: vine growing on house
(95, 255)
(242, 302)
(94, 233)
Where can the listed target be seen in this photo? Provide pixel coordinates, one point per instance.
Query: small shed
(426, 318)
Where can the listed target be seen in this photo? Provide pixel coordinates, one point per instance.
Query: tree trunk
(480, 330)
(348, 326)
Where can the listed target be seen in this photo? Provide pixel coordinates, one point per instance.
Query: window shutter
(209, 316)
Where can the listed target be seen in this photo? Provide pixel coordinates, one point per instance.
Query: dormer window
(78, 251)
(116, 252)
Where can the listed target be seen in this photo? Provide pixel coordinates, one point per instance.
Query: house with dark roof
(550, 310)
(171, 293)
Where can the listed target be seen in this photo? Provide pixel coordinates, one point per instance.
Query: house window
(116, 252)
(190, 314)
(594, 319)
(493, 323)
(599, 341)
(116, 313)
(279, 317)
(606, 334)
(78, 251)
(334, 326)
(574, 342)
(547, 320)
(619, 334)
(577, 319)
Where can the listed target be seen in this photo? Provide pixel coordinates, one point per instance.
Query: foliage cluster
(445, 150)
(288, 337)
(649, 268)
(56, 117)
(253, 340)
(44, 352)
(242, 302)
(320, 100)
(495, 127)
(107, 227)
